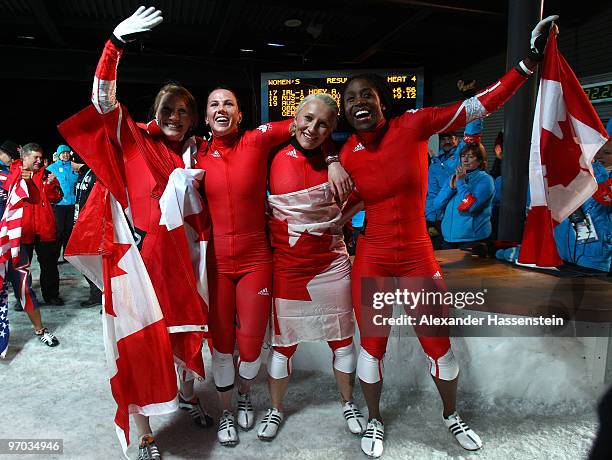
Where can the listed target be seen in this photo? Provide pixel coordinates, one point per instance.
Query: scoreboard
(281, 92)
(599, 92)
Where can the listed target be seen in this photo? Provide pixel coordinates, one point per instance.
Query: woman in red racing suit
(388, 161)
(239, 257)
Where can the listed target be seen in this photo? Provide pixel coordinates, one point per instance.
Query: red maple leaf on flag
(560, 155)
(295, 266)
(110, 261)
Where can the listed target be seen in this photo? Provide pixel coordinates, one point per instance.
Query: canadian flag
(138, 349)
(566, 135)
(155, 291)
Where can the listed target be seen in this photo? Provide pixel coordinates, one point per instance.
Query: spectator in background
(496, 205)
(358, 223)
(496, 173)
(20, 276)
(499, 150)
(585, 238)
(466, 200)
(66, 172)
(9, 151)
(38, 230)
(442, 167)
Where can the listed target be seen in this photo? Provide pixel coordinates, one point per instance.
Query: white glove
(141, 22)
(539, 35)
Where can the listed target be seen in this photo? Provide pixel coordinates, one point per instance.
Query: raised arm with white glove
(138, 24)
(104, 92)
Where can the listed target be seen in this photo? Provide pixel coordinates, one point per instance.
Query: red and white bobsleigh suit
(312, 297)
(239, 256)
(389, 167)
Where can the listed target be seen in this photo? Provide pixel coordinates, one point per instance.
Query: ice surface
(527, 398)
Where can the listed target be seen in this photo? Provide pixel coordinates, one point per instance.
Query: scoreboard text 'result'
(282, 92)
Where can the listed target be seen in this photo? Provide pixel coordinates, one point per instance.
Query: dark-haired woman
(388, 160)
(467, 199)
(134, 163)
(239, 257)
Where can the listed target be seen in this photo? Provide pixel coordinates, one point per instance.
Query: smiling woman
(176, 112)
(387, 158)
(134, 163)
(311, 297)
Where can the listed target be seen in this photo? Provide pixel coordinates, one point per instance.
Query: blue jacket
(442, 167)
(67, 178)
(595, 254)
(473, 223)
(358, 219)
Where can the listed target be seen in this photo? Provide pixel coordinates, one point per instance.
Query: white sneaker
(245, 415)
(269, 425)
(372, 440)
(227, 434)
(462, 432)
(354, 418)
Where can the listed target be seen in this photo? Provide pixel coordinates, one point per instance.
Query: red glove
(603, 195)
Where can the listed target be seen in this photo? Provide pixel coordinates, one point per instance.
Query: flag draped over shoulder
(10, 237)
(145, 335)
(10, 225)
(566, 135)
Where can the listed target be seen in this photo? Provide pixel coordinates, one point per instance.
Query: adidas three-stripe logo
(264, 291)
(458, 427)
(358, 147)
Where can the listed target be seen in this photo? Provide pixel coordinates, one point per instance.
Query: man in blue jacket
(64, 170)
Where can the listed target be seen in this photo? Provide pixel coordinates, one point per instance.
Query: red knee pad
(435, 347)
(375, 346)
(287, 352)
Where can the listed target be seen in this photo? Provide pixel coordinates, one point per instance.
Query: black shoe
(90, 303)
(47, 338)
(54, 301)
(17, 306)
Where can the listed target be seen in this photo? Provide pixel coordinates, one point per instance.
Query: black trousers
(95, 294)
(46, 251)
(437, 241)
(64, 221)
